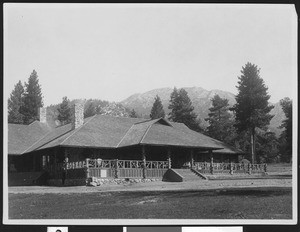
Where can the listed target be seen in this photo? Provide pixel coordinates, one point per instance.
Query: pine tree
(64, 111)
(90, 110)
(220, 121)
(267, 146)
(15, 102)
(252, 107)
(157, 110)
(33, 99)
(182, 110)
(133, 114)
(286, 136)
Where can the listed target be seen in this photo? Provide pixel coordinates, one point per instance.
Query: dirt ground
(158, 186)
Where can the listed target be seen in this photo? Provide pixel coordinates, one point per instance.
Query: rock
(93, 184)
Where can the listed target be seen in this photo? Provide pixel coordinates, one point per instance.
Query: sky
(110, 52)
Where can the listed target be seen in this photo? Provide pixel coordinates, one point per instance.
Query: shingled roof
(226, 148)
(102, 131)
(21, 137)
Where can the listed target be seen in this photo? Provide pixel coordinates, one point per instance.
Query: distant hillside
(105, 107)
(201, 99)
(142, 103)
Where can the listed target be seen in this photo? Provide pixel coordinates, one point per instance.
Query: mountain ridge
(201, 100)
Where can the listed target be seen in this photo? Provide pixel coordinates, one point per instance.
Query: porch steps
(199, 174)
(189, 175)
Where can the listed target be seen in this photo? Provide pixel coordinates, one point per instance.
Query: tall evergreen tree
(157, 110)
(33, 99)
(267, 147)
(286, 136)
(220, 121)
(15, 102)
(252, 107)
(182, 110)
(64, 111)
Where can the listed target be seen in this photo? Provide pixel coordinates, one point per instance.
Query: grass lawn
(281, 168)
(250, 203)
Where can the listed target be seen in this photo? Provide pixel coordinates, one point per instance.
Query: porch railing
(113, 168)
(126, 168)
(157, 164)
(76, 165)
(207, 167)
(97, 163)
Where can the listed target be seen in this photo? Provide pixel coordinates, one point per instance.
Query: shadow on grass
(255, 192)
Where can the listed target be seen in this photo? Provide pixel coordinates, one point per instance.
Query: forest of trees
(244, 126)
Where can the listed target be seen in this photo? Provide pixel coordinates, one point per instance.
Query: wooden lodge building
(103, 146)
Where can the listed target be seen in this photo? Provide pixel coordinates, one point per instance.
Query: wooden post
(116, 169)
(265, 168)
(192, 159)
(249, 169)
(211, 162)
(87, 168)
(55, 164)
(144, 161)
(231, 168)
(66, 155)
(169, 159)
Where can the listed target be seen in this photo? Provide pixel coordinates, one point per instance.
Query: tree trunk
(253, 145)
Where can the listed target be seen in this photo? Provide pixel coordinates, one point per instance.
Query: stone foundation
(93, 181)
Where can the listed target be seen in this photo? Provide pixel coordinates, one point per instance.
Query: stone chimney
(77, 115)
(43, 115)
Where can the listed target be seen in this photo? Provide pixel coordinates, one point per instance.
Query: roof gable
(138, 131)
(163, 122)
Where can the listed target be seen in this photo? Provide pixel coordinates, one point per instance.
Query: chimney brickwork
(77, 115)
(43, 115)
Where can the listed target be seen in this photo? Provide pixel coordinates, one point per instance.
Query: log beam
(211, 162)
(169, 158)
(192, 158)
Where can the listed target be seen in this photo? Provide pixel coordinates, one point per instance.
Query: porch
(77, 165)
(93, 169)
